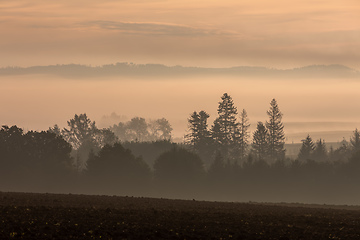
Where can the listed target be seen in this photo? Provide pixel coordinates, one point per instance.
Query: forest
(223, 161)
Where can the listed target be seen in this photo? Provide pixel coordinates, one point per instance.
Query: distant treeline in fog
(158, 70)
(218, 162)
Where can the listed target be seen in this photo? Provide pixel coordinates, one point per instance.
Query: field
(59, 216)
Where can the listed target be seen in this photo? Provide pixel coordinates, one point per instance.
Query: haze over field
(294, 66)
(314, 99)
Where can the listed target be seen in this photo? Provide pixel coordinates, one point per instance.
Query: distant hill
(158, 70)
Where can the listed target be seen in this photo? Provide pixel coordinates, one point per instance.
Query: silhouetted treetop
(320, 152)
(276, 135)
(242, 135)
(225, 127)
(260, 145)
(199, 135)
(81, 129)
(355, 140)
(140, 130)
(33, 151)
(307, 148)
(84, 136)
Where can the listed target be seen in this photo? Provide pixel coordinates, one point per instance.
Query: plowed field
(59, 216)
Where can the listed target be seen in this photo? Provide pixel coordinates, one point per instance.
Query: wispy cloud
(198, 32)
(150, 28)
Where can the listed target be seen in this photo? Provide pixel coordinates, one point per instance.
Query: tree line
(218, 162)
(141, 130)
(230, 136)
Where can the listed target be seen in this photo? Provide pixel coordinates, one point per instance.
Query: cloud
(154, 28)
(225, 33)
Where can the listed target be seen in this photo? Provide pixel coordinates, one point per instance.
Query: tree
(199, 134)
(352, 167)
(199, 137)
(85, 137)
(11, 138)
(320, 152)
(116, 170)
(105, 136)
(216, 134)
(179, 169)
(306, 149)
(47, 152)
(276, 136)
(12, 154)
(216, 172)
(225, 126)
(55, 130)
(138, 129)
(355, 141)
(161, 129)
(120, 131)
(81, 129)
(260, 146)
(192, 137)
(149, 151)
(342, 153)
(217, 167)
(32, 160)
(243, 135)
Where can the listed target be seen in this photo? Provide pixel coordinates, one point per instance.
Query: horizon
(102, 98)
(337, 65)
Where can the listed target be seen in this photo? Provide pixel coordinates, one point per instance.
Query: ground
(60, 216)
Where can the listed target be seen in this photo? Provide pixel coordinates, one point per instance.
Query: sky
(274, 34)
(278, 33)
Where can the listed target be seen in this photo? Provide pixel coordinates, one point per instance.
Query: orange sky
(278, 33)
(198, 33)
(36, 102)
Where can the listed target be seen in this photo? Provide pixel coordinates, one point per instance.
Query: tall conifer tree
(276, 136)
(225, 126)
(243, 134)
(320, 152)
(199, 135)
(355, 141)
(307, 148)
(260, 146)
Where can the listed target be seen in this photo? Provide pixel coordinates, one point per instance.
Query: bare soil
(61, 216)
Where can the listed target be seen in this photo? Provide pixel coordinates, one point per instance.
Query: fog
(62, 59)
(326, 108)
(318, 106)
